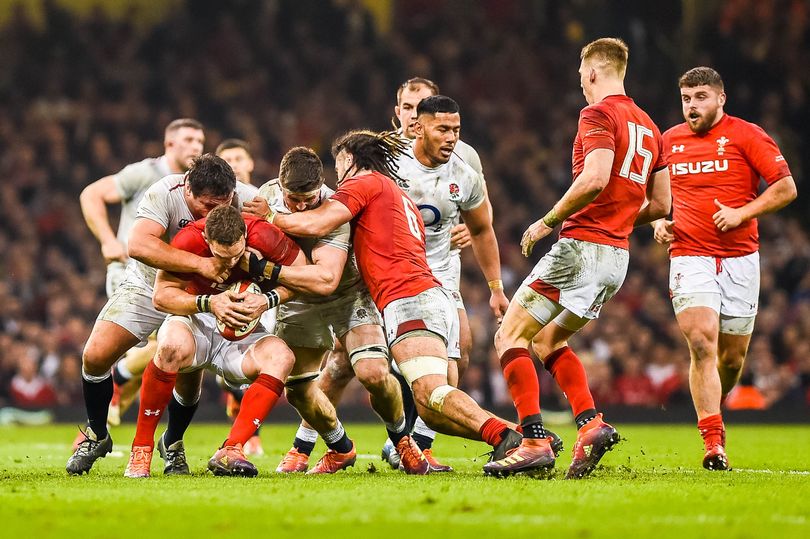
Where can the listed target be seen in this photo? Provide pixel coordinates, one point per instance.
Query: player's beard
(704, 122)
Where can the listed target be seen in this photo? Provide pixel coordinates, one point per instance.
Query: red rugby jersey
(266, 238)
(388, 237)
(615, 123)
(725, 163)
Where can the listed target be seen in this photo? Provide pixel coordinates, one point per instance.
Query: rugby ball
(238, 334)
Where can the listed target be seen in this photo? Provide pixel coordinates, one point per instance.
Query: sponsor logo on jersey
(721, 145)
(779, 158)
(677, 148)
(699, 167)
(403, 184)
(183, 223)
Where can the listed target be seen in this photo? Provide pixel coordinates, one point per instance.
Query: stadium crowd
(80, 97)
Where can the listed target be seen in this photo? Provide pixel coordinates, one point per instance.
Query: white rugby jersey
(165, 204)
(131, 183)
(339, 238)
(441, 194)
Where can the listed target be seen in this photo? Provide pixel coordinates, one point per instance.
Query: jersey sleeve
(596, 130)
(764, 155)
(272, 243)
(661, 160)
(339, 238)
(155, 205)
(475, 192)
(133, 179)
(356, 193)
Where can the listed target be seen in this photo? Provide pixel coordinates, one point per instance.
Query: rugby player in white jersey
(335, 305)
(183, 141)
(129, 316)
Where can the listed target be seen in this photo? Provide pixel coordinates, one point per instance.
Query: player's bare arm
(94, 200)
(171, 297)
(659, 198)
(314, 223)
(322, 276)
(585, 188)
(485, 248)
(146, 245)
(778, 195)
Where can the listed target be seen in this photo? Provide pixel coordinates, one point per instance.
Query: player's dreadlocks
(372, 151)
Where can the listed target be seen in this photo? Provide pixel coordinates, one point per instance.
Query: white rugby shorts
(317, 325)
(213, 351)
(433, 310)
(130, 306)
(729, 286)
(116, 273)
(576, 276)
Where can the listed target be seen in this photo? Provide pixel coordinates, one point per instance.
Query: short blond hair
(608, 52)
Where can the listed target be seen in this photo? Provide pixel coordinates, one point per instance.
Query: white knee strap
(369, 351)
(420, 366)
(437, 396)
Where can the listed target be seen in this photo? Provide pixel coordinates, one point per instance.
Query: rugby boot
(509, 442)
(411, 459)
(333, 462)
(174, 456)
(253, 446)
(556, 442)
(230, 460)
(714, 442)
(532, 456)
(594, 439)
(389, 454)
(87, 452)
(294, 461)
(435, 465)
(715, 458)
(140, 460)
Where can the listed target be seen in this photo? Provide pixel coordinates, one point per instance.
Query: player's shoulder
(741, 127)
(461, 169)
(246, 191)
(169, 184)
(678, 130)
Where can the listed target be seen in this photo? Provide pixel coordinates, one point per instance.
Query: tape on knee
(369, 351)
(437, 396)
(299, 379)
(419, 366)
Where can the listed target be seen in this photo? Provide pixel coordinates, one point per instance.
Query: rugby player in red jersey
(420, 316)
(189, 340)
(716, 162)
(620, 180)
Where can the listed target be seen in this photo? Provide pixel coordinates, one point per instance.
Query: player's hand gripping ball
(238, 334)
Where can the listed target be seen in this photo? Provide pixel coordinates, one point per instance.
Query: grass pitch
(651, 484)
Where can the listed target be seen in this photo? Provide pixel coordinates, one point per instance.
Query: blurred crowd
(82, 96)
